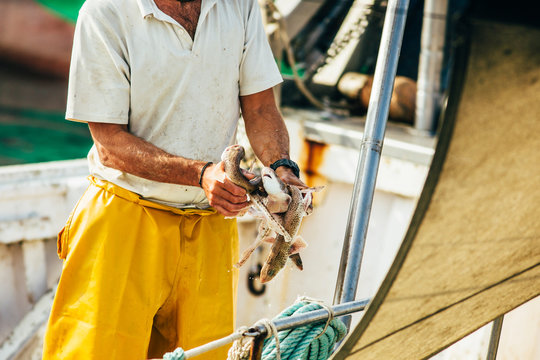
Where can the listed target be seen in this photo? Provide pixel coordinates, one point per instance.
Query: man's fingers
(234, 189)
(225, 200)
(293, 180)
(297, 182)
(224, 196)
(226, 208)
(233, 199)
(225, 189)
(223, 211)
(287, 176)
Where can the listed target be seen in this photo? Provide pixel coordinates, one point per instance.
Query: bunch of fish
(281, 208)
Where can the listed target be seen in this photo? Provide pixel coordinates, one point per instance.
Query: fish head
(268, 273)
(271, 182)
(233, 151)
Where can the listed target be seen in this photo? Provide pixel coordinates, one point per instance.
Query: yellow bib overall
(140, 279)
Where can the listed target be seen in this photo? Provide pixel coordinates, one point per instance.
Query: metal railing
(370, 152)
(428, 93)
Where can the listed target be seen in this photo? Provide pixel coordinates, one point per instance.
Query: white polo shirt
(133, 64)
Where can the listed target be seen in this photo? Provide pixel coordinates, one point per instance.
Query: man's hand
(288, 177)
(224, 196)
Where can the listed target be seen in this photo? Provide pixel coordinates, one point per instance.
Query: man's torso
(174, 90)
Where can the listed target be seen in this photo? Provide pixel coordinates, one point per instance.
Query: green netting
(30, 136)
(67, 9)
(287, 72)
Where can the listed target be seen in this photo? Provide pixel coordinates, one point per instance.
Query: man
(148, 251)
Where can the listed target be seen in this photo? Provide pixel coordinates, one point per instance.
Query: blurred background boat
(328, 67)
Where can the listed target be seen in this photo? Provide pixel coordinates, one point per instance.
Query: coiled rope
(309, 342)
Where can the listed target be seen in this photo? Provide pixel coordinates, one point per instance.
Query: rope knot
(240, 350)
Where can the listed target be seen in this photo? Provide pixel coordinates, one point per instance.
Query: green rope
(304, 343)
(177, 354)
(310, 342)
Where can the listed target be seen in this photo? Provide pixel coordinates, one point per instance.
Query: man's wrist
(202, 172)
(288, 164)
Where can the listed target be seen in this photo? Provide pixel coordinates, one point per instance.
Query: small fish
(278, 198)
(281, 208)
(231, 158)
(281, 249)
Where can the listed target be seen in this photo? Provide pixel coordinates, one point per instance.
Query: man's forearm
(119, 149)
(268, 136)
(265, 128)
(267, 132)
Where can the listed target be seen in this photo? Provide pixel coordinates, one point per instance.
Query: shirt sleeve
(99, 79)
(258, 69)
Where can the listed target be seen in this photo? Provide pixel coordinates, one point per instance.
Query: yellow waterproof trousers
(140, 279)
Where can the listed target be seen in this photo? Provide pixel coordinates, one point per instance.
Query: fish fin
(247, 253)
(255, 213)
(308, 197)
(312, 189)
(298, 244)
(269, 239)
(308, 203)
(297, 260)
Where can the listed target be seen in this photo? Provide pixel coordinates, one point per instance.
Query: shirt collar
(148, 7)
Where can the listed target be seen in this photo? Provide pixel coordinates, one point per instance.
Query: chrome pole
(281, 324)
(314, 316)
(370, 152)
(428, 93)
(495, 337)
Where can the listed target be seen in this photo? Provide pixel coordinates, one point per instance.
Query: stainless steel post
(316, 315)
(282, 324)
(428, 91)
(370, 151)
(495, 337)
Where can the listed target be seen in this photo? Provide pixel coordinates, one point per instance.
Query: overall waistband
(136, 198)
